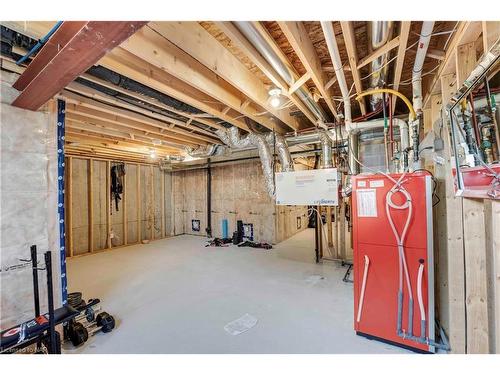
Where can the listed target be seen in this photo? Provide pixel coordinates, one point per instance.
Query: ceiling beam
(350, 44)
(299, 83)
(192, 38)
(400, 59)
(83, 49)
(249, 50)
(390, 45)
(133, 67)
(126, 114)
(92, 113)
(151, 101)
(94, 94)
(297, 36)
(150, 46)
(132, 132)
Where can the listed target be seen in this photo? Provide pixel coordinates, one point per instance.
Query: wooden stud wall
(467, 231)
(93, 222)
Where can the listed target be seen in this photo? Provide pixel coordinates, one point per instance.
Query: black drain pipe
(208, 229)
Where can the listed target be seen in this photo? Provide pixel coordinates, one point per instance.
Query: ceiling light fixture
(274, 97)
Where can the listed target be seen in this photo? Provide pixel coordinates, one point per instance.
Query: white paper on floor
(241, 324)
(314, 279)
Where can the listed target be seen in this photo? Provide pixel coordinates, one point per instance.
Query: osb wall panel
(131, 202)
(99, 216)
(79, 206)
(178, 202)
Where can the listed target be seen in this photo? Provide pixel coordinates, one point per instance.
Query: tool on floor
(79, 333)
(40, 330)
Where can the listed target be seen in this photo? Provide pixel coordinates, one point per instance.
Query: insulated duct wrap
(266, 159)
(208, 151)
(234, 140)
(281, 146)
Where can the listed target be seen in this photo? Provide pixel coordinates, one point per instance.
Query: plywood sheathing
(99, 173)
(79, 193)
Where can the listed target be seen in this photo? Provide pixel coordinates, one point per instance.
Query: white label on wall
(362, 183)
(367, 202)
(318, 187)
(376, 183)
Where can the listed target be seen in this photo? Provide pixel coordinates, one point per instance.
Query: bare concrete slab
(176, 296)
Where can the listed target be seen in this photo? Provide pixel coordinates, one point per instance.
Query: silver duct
(208, 151)
(253, 35)
(380, 32)
(326, 150)
(279, 142)
(233, 139)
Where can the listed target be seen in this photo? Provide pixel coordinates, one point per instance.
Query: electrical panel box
(316, 187)
(376, 259)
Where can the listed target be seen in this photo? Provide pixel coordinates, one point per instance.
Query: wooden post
(475, 256)
(139, 218)
(452, 289)
(152, 210)
(69, 214)
(91, 205)
(162, 175)
(329, 226)
(495, 275)
(108, 205)
(124, 208)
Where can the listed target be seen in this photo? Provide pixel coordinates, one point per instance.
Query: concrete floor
(176, 296)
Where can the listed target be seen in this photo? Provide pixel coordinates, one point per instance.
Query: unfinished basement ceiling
(178, 100)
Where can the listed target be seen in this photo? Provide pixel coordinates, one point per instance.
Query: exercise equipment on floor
(40, 330)
(89, 321)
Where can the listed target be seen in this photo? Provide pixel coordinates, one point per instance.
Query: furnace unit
(394, 267)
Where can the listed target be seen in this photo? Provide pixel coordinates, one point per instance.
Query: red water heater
(393, 263)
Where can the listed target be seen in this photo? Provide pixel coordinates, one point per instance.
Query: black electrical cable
(435, 182)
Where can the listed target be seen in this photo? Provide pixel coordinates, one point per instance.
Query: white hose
(363, 286)
(400, 240)
(419, 291)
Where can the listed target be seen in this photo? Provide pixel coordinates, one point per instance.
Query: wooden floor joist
(84, 47)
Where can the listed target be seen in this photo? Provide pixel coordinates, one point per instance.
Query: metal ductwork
(380, 32)
(284, 156)
(326, 150)
(253, 35)
(208, 151)
(234, 140)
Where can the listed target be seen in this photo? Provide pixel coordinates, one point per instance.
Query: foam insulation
(28, 203)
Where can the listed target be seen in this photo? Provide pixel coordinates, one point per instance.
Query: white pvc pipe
(333, 49)
(423, 44)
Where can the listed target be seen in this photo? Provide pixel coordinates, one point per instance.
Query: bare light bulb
(275, 101)
(152, 155)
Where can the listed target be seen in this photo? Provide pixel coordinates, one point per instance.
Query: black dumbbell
(79, 333)
(88, 314)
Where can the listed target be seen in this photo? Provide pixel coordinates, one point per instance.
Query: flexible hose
(413, 115)
(363, 286)
(421, 300)
(407, 205)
